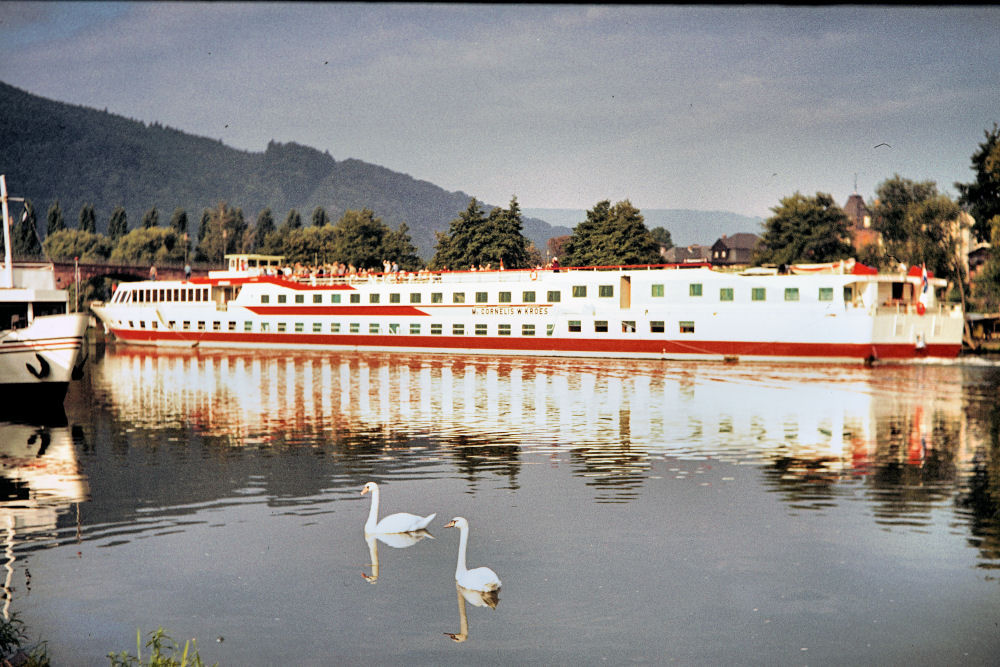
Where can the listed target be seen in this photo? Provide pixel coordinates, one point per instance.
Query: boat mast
(8, 261)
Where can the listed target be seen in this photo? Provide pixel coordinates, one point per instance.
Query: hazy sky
(712, 108)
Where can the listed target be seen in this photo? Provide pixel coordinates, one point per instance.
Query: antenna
(855, 182)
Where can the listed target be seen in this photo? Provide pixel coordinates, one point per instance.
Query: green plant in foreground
(12, 636)
(163, 653)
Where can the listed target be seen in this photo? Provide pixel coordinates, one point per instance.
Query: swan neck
(463, 541)
(373, 512)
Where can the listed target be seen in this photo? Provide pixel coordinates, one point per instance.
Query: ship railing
(898, 307)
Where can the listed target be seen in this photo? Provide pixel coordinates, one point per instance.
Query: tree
(986, 285)
(361, 239)
(805, 229)
(179, 221)
(203, 225)
(263, 227)
(662, 236)
(611, 236)
(893, 197)
(555, 247)
(118, 225)
(292, 221)
(149, 246)
(25, 240)
(67, 244)
(397, 247)
(151, 218)
(54, 219)
(88, 219)
(982, 196)
(223, 235)
(319, 217)
(477, 239)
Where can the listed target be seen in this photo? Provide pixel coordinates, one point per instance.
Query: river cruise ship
(839, 312)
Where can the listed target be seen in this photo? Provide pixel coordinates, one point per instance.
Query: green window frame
(826, 294)
(628, 326)
(335, 327)
(317, 298)
(656, 290)
(657, 326)
(282, 298)
(355, 327)
(600, 326)
(374, 297)
(579, 290)
(758, 294)
(281, 327)
(394, 327)
(414, 328)
(373, 327)
(414, 297)
(791, 294)
(300, 298)
(334, 298)
(437, 297)
(553, 296)
(482, 297)
(528, 296)
(299, 327)
(686, 326)
(457, 329)
(458, 297)
(575, 326)
(481, 330)
(503, 329)
(317, 327)
(694, 289)
(394, 297)
(725, 294)
(605, 290)
(355, 298)
(247, 325)
(527, 329)
(504, 297)
(436, 329)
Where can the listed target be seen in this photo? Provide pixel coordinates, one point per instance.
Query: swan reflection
(394, 540)
(476, 599)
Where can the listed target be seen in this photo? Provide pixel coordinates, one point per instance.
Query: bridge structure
(65, 272)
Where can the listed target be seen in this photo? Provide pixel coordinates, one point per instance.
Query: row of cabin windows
(165, 295)
(527, 296)
(756, 293)
(416, 328)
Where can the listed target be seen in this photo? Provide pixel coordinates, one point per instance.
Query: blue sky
(710, 108)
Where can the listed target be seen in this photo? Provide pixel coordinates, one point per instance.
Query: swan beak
(450, 524)
(364, 490)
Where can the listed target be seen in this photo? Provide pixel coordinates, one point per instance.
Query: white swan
(402, 522)
(481, 579)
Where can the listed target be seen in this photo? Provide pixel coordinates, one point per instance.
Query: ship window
(142, 324)
(355, 327)
(299, 327)
(848, 294)
(527, 329)
(216, 326)
(605, 290)
(504, 297)
(528, 296)
(281, 327)
(458, 297)
(394, 328)
(550, 329)
(481, 330)
(373, 328)
(686, 326)
(457, 329)
(317, 327)
(265, 298)
(248, 325)
(334, 298)
(414, 329)
(656, 326)
(163, 295)
(725, 294)
(601, 326)
(414, 297)
(355, 298)
(503, 329)
(282, 298)
(175, 296)
(373, 297)
(791, 294)
(172, 324)
(300, 298)
(758, 294)
(482, 297)
(657, 290)
(436, 329)
(579, 290)
(201, 326)
(265, 326)
(554, 296)
(437, 297)
(186, 325)
(334, 327)
(694, 289)
(317, 298)
(394, 297)
(628, 326)
(575, 326)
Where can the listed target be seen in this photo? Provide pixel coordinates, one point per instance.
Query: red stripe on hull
(542, 344)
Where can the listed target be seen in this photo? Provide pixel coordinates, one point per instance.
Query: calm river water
(645, 512)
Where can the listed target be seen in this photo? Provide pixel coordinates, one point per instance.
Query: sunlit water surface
(635, 511)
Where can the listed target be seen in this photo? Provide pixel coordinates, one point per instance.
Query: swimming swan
(402, 522)
(481, 579)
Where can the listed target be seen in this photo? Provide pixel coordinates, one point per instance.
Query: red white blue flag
(923, 278)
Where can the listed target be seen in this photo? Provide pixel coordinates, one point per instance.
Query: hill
(686, 227)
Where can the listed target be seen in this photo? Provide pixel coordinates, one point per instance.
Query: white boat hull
(37, 362)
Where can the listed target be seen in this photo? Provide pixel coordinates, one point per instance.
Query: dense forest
(79, 156)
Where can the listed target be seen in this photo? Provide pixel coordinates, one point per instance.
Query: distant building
(735, 249)
(862, 233)
(686, 254)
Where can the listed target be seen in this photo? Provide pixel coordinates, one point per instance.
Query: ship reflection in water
(912, 435)
(40, 480)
